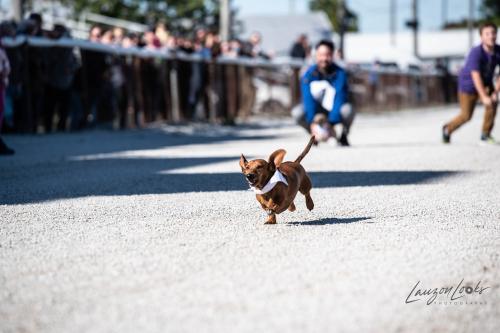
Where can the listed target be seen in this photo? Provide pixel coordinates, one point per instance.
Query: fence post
(231, 93)
(30, 118)
(165, 77)
(211, 92)
(174, 92)
(294, 87)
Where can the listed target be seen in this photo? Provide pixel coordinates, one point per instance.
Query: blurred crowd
(71, 88)
(59, 88)
(203, 42)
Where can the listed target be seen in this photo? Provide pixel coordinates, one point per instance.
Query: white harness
(275, 179)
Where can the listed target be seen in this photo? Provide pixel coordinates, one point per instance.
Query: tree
(490, 12)
(490, 9)
(178, 14)
(331, 9)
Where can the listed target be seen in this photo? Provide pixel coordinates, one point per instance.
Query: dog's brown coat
(258, 173)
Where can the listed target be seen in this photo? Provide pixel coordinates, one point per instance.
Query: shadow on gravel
(378, 178)
(137, 176)
(105, 142)
(332, 220)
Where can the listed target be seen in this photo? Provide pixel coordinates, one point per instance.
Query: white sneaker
(487, 141)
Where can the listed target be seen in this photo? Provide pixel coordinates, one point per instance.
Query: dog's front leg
(271, 205)
(271, 218)
(271, 211)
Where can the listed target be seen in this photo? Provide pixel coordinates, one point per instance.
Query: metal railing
(171, 86)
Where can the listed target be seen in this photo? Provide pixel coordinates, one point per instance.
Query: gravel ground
(155, 231)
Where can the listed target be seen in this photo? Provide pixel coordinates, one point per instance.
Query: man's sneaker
(487, 139)
(343, 140)
(7, 151)
(446, 134)
(4, 150)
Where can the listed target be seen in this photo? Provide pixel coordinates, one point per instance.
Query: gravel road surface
(155, 231)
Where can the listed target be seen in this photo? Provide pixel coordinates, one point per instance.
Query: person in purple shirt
(475, 81)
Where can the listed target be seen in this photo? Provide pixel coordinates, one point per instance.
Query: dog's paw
(309, 203)
(271, 219)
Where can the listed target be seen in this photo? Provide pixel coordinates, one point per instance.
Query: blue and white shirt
(324, 91)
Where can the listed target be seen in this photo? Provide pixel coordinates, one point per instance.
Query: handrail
(163, 53)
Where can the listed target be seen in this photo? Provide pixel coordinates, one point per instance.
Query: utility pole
(392, 22)
(341, 18)
(225, 19)
(444, 13)
(291, 7)
(17, 9)
(414, 9)
(413, 24)
(470, 23)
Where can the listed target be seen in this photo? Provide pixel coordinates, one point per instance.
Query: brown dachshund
(276, 183)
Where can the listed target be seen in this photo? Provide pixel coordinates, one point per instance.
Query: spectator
(118, 35)
(130, 40)
(38, 22)
(300, 49)
(4, 81)
(60, 65)
(212, 45)
(204, 45)
(95, 34)
(185, 45)
(229, 49)
(94, 64)
(107, 37)
(200, 36)
(132, 87)
(151, 41)
(151, 87)
(14, 89)
(234, 48)
(32, 90)
(171, 43)
(162, 33)
(225, 49)
(475, 82)
(325, 97)
(255, 42)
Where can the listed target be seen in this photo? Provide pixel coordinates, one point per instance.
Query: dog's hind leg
(291, 207)
(305, 189)
(309, 201)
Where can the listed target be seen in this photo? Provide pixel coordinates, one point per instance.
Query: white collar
(275, 179)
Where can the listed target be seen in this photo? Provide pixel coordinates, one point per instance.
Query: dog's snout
(251, 176)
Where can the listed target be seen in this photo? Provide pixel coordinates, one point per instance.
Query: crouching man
(325, 97)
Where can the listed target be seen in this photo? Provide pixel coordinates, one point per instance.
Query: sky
(373, 15)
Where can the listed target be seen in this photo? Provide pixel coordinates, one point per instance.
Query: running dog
(276, 183)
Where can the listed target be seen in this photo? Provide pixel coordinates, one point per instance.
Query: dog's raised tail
(306, 150)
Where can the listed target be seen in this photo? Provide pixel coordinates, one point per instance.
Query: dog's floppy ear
(243, 162)
(276, 158)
